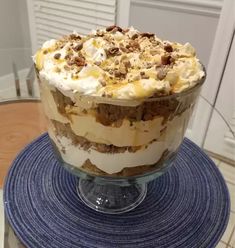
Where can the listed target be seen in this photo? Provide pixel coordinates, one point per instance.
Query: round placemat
(186, 207)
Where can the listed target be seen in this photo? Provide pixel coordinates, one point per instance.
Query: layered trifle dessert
(117, 100)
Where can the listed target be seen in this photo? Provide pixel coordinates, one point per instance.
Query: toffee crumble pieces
(118, 64)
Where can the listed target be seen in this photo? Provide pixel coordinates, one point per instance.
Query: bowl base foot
(111, 198)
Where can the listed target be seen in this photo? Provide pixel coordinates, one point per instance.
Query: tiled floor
(228, 239)
(228, 171)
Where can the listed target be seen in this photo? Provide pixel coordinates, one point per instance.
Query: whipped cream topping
(118, 63)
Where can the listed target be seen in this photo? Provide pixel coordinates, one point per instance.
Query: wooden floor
(20, 123)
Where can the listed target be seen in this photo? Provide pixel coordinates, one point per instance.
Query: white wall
(219, 139)
(14, 35)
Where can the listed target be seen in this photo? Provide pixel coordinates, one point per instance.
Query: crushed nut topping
(113, 27)
(134, 36)
(116, 62)
(103, 83)
(143, 75)
(120, 73)
(161, 74)
(168, 48)
(148, 35)
(123, 69)
(57, 56)
(166, 59)
(127, 64)
(75, 37)
(113, 51)
(78, 47)
(79, 61)
(123, 49)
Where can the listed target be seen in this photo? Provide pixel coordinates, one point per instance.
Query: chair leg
(6, 234)
(16, 77)
(29, 81)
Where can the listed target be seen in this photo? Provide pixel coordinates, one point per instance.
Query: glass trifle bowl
(116, 117)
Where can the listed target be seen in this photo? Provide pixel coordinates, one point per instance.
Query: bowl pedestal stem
(111, 198)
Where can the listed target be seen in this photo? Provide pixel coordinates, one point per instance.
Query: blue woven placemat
(186, 207)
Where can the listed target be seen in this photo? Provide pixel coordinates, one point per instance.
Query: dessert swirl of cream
(119, 64)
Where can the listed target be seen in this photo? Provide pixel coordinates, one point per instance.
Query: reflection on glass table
(17, 77)
(21, 115)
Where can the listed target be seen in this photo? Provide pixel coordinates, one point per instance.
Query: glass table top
(21, 116)
(20, 108)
